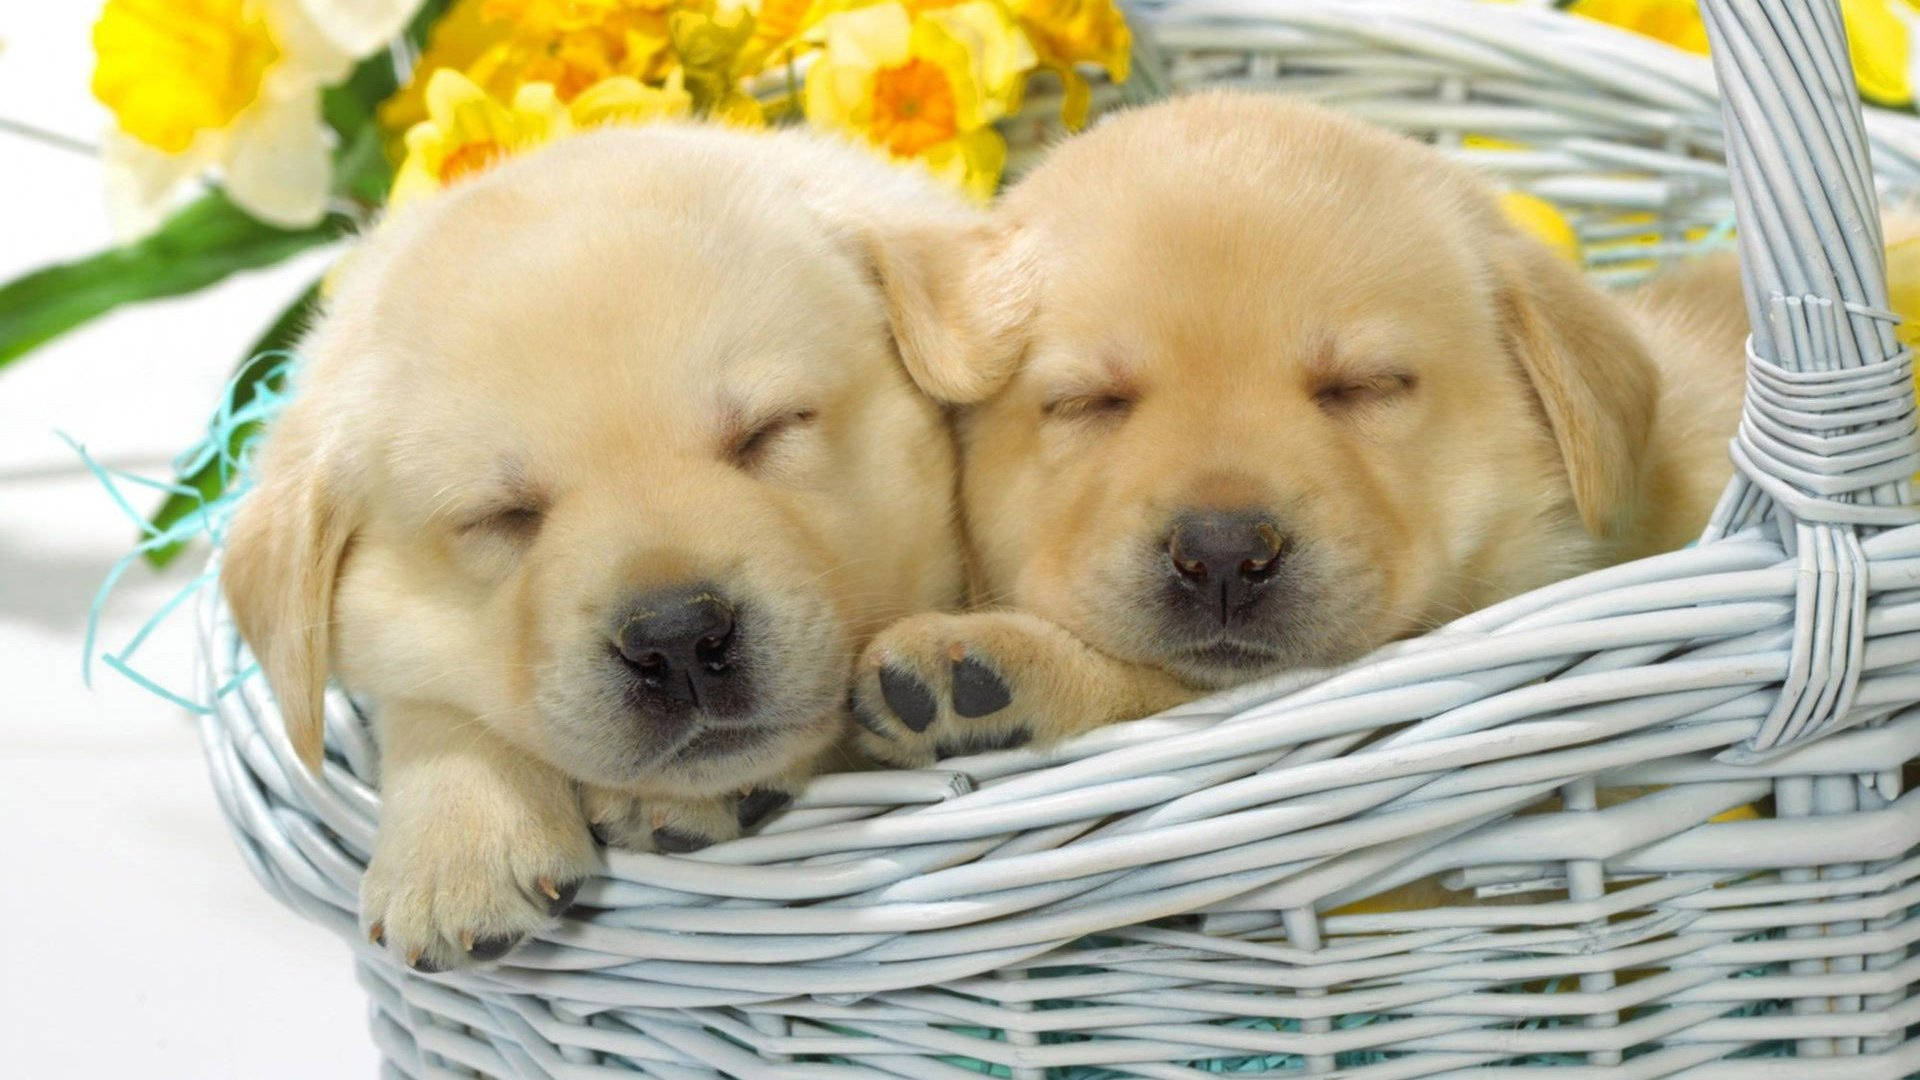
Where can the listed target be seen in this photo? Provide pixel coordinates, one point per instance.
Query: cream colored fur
(1237, 301)
(536, 394)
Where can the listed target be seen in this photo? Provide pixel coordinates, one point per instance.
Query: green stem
(205, 242)
(258, 363)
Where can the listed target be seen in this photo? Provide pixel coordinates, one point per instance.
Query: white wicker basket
(1155, 899)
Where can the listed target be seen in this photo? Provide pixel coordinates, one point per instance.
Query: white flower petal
(279, 167)
(144, 184)
(308, 54)
(359, 27)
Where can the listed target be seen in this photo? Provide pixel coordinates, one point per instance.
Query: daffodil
(227, 85)
(710, 44)
(467, 130)
(925, 87)
(1903, 295)
(777, 27)
(501, 45)
(1543, 221)
(457, 40)
(1676, 22)
(1903, 287)
(1066, 33)
(576, 43)
(623, 99)
(1879, 35)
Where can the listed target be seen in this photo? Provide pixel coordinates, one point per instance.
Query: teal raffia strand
(204, 471)
(251, 399)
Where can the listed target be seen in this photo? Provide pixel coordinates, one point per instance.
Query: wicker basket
(1163, 898)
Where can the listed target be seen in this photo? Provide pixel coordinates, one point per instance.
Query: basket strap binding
(1810, 443)
(1826, 444)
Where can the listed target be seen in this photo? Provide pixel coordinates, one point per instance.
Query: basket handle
(1826, 444)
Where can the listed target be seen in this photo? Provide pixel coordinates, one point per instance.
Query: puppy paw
(452, 890)
(936, 686)
(622, 819)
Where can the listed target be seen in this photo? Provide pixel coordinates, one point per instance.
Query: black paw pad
(908, 697)
(982, 742)
(865, 718)
(493, 948)
(675, 842)
(425, 966)
(560, 903)
(977, 689)
(759, 804)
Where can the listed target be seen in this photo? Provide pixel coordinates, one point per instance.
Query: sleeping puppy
(1257, 387)
(603, 467)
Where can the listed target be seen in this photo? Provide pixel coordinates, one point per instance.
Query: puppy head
(611, 449)
(1288, 387)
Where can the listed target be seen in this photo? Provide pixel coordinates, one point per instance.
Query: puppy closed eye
(1344, 394)
(1103, 407)
(751, 448)
(516, 522)
(491, 541)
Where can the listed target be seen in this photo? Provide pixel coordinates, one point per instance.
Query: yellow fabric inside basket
(1428, 893)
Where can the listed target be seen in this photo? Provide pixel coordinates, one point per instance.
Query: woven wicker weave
(1158, 899)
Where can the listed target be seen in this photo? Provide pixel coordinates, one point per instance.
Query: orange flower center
(468, 158)
(913, 107)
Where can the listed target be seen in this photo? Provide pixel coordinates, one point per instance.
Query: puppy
(1257, 387)
(602, 467)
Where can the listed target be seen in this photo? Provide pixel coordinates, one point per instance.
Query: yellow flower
(576, 43)
(925, 88)
(776, 28)
(457, 40)
(625, 100)
(710, 44)
(467, 130)
(1903, 295)
(1879, 35)
(1542, 220)
(501, 45)
(232, 85)
(1676, 22)
(1069, 32)
(171, 70)
(1903, 287)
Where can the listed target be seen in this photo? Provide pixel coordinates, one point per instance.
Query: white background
(133, 940)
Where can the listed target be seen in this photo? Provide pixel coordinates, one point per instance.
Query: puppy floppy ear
(1588, 369)
(283, 555)
(960, 297)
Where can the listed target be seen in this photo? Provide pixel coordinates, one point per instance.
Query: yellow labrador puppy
(1260, 387)
(603, 467)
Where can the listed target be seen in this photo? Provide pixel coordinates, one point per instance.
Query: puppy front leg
(937, 685)
(639, 821)
(480, 843)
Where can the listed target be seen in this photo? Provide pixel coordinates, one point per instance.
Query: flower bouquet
(247, 131)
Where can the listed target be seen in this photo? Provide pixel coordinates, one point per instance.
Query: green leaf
(204, 242)
(361, 170)
(423, 20)
(259, 365)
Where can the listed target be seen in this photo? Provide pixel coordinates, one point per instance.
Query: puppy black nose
(1225, 558)
(679, 641)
